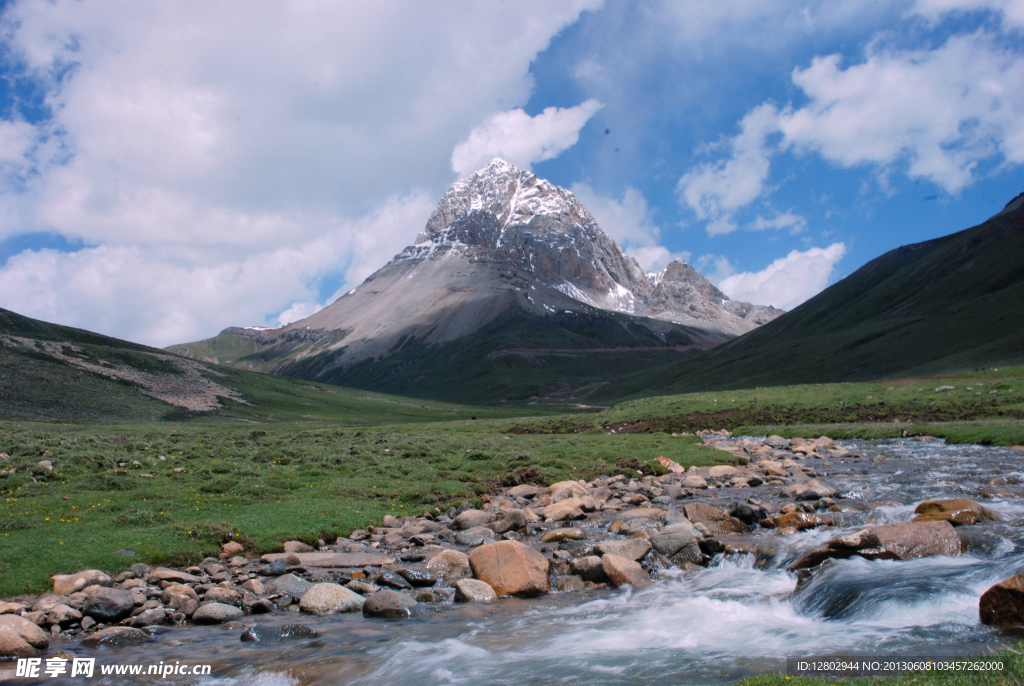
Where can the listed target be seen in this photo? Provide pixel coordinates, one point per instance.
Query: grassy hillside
(49, 371)
(559, 358)
(950, 304)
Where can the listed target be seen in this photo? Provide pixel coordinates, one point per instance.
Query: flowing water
(737, 617)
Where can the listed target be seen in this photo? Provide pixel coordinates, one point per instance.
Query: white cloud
(225, 161)
(172, 294)
(715, 190)
(932, 114)
(940, 112)
(630, 224)
(788, 281)
(782, 220)
(518, 138)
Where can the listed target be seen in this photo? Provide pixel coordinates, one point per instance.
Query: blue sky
(170, 169)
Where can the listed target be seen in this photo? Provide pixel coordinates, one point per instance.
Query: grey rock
(291, 585)
(588, 568)
(418, 577)
(478, 535)
(392, 580)
(474, 591)
(108, 605)
(629, 548)
(508, 520)
(149, 618)
(216, 613)
(390, 604)
(329, 599)
(116, 637)
(471, 519)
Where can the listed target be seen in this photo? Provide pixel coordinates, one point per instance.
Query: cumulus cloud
(940, 112)
(715, 190)
(518, 138)
(788, 281)
(630, 223)
(224, 162)
(173, 294)
(932, 114)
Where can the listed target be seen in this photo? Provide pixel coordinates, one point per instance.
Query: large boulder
(20, 637)
(957, 512)
(900, 541)
(1003, 604)
(511, 568)
(716, 521)
(108, 605)
(329, 599)
(621, 571)
(390, 604)
(564, 490)
(66, 584)
(629, 548)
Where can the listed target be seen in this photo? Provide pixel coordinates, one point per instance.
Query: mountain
(949, 304)
(48, 371)
(512, 254)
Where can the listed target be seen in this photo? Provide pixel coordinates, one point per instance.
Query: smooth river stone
(332, 559)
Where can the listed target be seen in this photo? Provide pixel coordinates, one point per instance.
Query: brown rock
(449, 558)
(66, 584)
(297, 547)
(1003, 604)
(524, 491)
(802, 520)
(716, 521)
(231, 548)
(175, 595)
(621, 571)
(570, 508)
(21, 638)
(164, 574)
(511, 568)
(900, 541)
(646, 512)
(564, 490)
(116, 636)
(957, 512)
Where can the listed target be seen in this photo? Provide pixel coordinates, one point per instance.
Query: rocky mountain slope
(951, 304)
(501, 243)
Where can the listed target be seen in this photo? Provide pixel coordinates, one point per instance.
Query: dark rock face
(109, 604)
(277, 634)
(1003, 604)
